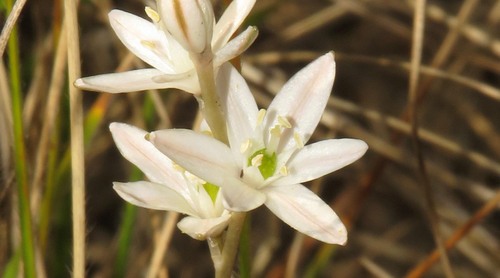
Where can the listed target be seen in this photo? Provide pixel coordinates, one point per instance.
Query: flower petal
(229, 22)
(236, 46)
(153, 196)
(306, 212)
(202, 155)
(201, 229)
(136, 80)
(239, 107)
(143, 38)
(240, 197)
(321, 158)
(154, 164)
(303, 99)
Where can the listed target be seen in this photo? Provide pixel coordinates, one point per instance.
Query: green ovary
(212, 190)
(268, 164)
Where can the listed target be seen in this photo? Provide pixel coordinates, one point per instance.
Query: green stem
(231, 244)
(28, 253)
(209, 102)
(245, 250)
(211, 108)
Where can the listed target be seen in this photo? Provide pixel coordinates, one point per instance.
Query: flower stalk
(209, 101)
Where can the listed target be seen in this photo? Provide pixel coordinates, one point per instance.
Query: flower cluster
(179, 30)
(263, 159)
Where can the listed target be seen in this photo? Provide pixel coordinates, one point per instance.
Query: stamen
(275, 134)
(148, 44)
(208, 133)
(298, 140)
(194, 179)
(260, 116)
(284, 122)
(155, 17)
(284, 171)
(257, 160)
(245, 146)
(178, 167)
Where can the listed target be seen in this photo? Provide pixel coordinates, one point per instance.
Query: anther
(155, 17)
(260, 116)
(257, 160)
(284, 122)
(284, 171)
(148, 44)
(298, 140)
(245, 146)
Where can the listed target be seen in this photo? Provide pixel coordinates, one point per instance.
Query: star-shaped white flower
(266, 160)
(169, 187)
(155, 43)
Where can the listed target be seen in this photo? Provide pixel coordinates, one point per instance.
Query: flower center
(212, 190)
(264, 161)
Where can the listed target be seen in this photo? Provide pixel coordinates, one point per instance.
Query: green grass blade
(20, 155)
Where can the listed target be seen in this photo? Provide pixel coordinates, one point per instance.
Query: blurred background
(381, 197)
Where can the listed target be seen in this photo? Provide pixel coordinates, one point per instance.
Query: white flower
(266, 160)
(169, 187)
(154, 44)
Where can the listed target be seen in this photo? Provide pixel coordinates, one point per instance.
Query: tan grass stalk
(416, 60)
(77, 150)
(163, 243)
(6, 123)
(10, 23)
(459, 234)
(51, 112)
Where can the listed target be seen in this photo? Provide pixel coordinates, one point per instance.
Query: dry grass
(455, 100)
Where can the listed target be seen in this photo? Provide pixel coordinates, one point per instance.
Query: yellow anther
(284, 171)
(260, 116)
(208, 133)
(284, 122)
(257, 160)
(155, 17)
(245, 146)
(148, 44)
(194, 179)
(178, 167)
(275, 131)
(298, 140)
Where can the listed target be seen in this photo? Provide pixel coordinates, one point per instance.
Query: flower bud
(189, 21)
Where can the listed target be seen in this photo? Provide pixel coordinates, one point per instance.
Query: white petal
(306, 212)
(236, 46)
(321, 158)
(229, 22)
(238, 105)
(136, 80)
(303, 99)
(238, 196)
(142, 153)
(189, 21)
(143, 38)
(200, 229)
(202, 155)
(153, 196)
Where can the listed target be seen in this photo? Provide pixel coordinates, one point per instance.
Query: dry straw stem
(10, 23)
(485, 210)
(6, 127)
(163, 243)
(51, 112)
(302, 56)
(77, 141)
(416, 60)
